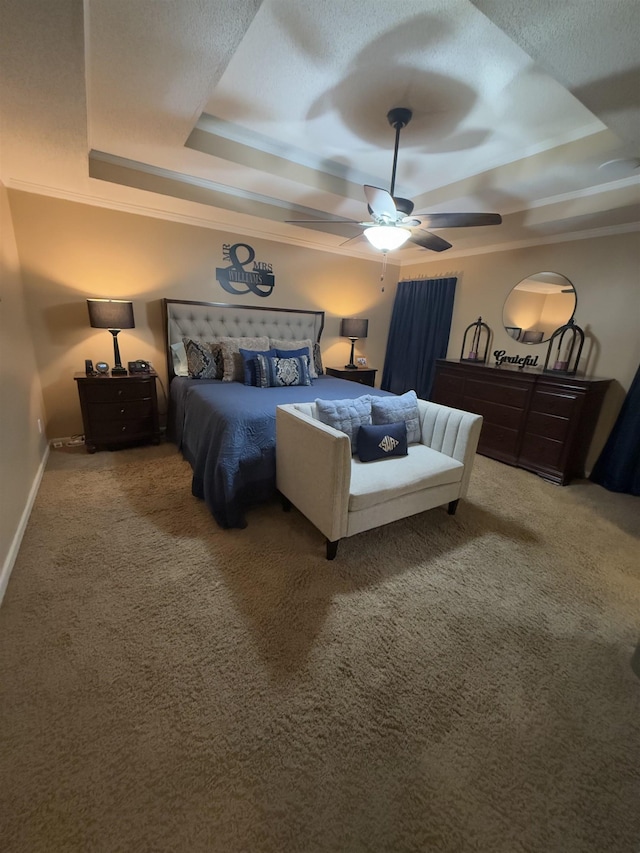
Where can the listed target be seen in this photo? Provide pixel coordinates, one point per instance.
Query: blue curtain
(418, 334)
(618, 466)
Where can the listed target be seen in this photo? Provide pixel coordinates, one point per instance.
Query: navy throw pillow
(250, 364)
(272, 372)
(379, 441)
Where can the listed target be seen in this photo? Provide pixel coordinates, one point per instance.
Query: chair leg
(453, 506)
(332, 549)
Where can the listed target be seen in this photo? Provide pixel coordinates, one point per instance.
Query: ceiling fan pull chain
(384, 266)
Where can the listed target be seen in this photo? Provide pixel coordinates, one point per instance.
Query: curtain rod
(432, 275)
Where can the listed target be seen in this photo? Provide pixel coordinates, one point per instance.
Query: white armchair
(342, 496)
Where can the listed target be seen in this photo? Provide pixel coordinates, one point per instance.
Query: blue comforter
(227, 431)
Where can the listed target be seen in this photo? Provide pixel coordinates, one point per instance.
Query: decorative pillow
(204, 359)
(289, 345)
(179, 355)
(317, 359)
(250, 364)
(390, 410)
(378, 441)
(303, 352)
(233, 364)
(346, 415)
(272, 371)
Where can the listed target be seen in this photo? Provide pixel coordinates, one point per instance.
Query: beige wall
(605, 272)
(70, 251)
(22, 446)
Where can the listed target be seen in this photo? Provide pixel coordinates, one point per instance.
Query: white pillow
(306, 344)
(179, 355)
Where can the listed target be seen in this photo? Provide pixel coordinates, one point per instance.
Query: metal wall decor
(237, 280)
(562, 355)
(472, 350)
(521, 361)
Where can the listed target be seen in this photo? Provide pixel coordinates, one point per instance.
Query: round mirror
(537, 306)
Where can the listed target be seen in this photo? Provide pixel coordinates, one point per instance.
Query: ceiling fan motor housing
(403, 206)
(399, 117)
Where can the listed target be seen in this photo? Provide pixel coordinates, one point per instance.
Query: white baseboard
(7, 568)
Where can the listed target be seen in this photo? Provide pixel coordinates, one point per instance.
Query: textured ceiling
(244, 114)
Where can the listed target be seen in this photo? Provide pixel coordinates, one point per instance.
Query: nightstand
(118, 410)
(363, 375)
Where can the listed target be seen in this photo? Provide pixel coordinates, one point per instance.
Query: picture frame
(361, 361)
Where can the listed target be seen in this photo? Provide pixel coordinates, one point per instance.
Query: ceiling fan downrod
(398, 118)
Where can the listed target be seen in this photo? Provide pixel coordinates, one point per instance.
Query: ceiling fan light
(386, 238)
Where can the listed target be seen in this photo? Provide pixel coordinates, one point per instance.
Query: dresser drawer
(498, 442)
(446, 386)
(562, 405)
(108, 391)
(550, 426)
(495, 413)
(509, 393)
(543, 454)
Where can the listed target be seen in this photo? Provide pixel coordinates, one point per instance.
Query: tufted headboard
(209, 320)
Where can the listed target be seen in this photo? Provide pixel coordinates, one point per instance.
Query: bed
(226, 430)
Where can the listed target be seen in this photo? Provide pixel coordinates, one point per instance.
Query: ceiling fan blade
(429, 241)
(326, 221)
(353, 239)
(458, 220)
(380, 202)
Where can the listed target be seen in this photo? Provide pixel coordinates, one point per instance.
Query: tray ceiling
(242, 115)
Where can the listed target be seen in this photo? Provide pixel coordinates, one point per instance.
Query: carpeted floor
(446, 684)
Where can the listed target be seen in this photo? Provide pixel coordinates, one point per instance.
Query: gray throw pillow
(346, 415)
(317, 359)
(233, 363)
(390, 410)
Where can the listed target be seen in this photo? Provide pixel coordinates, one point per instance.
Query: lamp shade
(387, 237)
(352, 328)
(111, 314)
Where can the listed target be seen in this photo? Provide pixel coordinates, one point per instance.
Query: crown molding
(416, 257)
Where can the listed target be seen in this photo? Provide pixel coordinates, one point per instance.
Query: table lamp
(112, 314)
(353, 329)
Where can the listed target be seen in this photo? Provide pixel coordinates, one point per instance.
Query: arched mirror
(537, 306)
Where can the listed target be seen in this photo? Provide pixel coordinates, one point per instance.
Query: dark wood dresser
(118, 410)
(543, 422)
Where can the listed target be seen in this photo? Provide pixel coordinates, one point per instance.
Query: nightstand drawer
(363, 375)
(125, 410)
(121, 430)
(107, 391)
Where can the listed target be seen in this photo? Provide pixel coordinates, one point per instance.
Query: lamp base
(351, 367)
(119, 371)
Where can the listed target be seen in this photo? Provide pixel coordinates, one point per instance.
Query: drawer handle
(119, 392)
(122, 411)
(124, 429)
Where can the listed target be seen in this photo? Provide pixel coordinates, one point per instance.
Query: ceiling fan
(393, 222)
